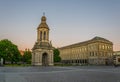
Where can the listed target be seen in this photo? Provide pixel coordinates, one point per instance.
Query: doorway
(45, 59)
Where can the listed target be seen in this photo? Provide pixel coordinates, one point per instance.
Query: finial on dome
(43, 17)
(43, 13)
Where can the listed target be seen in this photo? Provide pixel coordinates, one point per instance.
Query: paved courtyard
(60, 74)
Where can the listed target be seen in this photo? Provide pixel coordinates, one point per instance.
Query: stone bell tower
(42, 52)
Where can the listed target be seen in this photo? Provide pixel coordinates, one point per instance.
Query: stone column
(40, 59)
(51, 59)
(46, 36)
(42, 36)
(38, 35)
(35, 58)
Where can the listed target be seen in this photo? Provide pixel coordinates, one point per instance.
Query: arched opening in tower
(45, 59)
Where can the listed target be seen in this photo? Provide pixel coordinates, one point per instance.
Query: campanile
(42, 52)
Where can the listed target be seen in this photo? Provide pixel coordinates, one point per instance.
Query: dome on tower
(43, 23)
(43, 18)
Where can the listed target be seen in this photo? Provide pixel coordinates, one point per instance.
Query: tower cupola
(43, 19)
(43, 30)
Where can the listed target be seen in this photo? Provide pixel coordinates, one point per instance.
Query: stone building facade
(97, 51)
(116, 57)
(42, 52)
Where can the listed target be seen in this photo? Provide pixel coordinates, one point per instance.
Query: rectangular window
(118, 59)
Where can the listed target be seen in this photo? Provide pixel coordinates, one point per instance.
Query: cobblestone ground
(60, 74)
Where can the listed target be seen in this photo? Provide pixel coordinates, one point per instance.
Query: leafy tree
(56, 53)
(27, 56)
(9, 51)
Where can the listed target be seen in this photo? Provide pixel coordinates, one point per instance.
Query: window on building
(96, 54)
(106, 47)
(85, 49)
(110, 47)
(118, 59)
(80, 49)
(99, 46)
(95, 47)
(92, 53)
(103, 47)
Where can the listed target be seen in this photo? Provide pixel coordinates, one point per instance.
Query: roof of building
(100, 39)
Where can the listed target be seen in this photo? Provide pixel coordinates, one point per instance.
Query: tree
(9, 51)
(56, 53)
(27, 56)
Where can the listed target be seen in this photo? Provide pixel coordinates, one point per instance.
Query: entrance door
(45, 59)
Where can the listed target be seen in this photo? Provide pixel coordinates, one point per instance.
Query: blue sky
(70, 21)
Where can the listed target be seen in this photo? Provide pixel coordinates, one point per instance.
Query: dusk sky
(70, 21)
